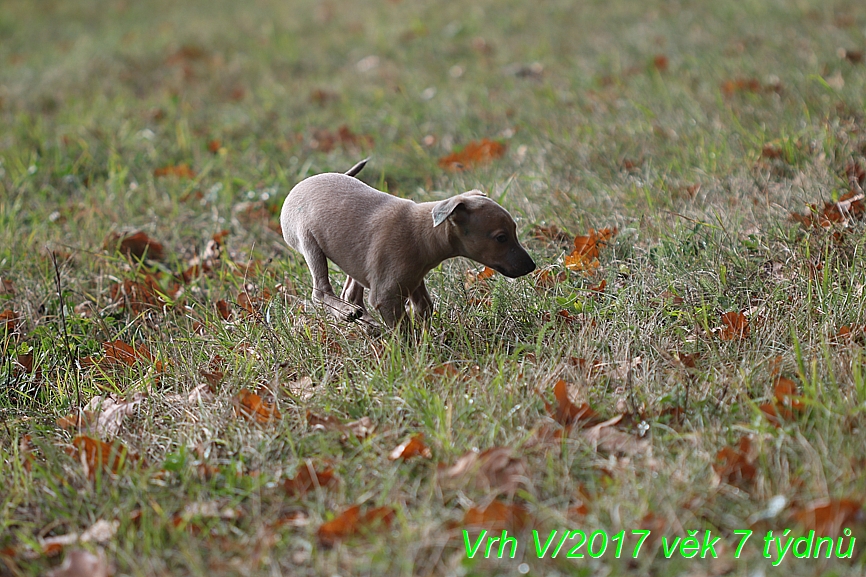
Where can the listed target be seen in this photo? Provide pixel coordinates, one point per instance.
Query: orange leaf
(829, 518)
(180, 170)
(95, 454)
(475, 276)
(584, 257)
(308, 479)
(734, 465)
(787, 399)
(251, 406)
(214, 146)
(411, 447)
(351, 522)
(497, 516)
(735, 325)
(567, 413)
(474, 153)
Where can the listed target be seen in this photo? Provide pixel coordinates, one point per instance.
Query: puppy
(387, 244)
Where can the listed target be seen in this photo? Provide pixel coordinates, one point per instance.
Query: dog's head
(484, 232)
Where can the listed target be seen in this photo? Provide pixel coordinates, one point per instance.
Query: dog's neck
(438, 242)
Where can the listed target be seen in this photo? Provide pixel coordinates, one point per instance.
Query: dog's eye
(502, 237)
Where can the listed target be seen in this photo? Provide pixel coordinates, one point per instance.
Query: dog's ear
(443, 209)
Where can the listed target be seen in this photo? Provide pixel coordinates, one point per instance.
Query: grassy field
(726, 334)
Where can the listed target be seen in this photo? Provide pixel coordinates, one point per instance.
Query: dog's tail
(357, 168)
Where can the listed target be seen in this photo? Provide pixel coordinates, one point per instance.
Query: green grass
(95, 96)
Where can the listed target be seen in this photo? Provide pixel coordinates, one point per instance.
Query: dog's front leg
(422, 304)
(391, 304)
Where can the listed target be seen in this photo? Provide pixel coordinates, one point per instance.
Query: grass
(655, 118)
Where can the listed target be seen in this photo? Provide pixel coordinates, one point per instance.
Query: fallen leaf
(753, 85)
(546, 277)
(566, 413)
(351, 522)
(735, 465)
(473, 154)
(496, 469)
(302, 390)
(9, 322)
(414, 446)
(550, 233)
(177, 170)
(6, 287)
(607, 439)
(103, 416)
(475, 277)
(660, 62)
(828, 518)
(735, 325)
(308, 479)
(223, 309)
(361, 429)
(82, 563)
(253, 407)
(100, 532)
(787, 400)
(137, 297)
(94, 454)
(214, 146)
(585, 255)
(497, 516)
(137, 245)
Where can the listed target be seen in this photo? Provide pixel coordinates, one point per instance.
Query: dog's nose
(521, 263)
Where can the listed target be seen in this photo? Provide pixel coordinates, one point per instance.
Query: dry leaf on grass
(119, 353)
(414, 446)
(830, 517)
(607, 439)
(301, 390)
(351, 522)
(361, 429)
(498, 516)
(584, 257)
(137, 245)
(735, 326)
(735, 465)
(103, 416)
(476, 277)
(81, 563)
(308, 479)
(497, 469)
(473, 154)
(94, 454)
(177, 170)
(566, 413)
(254, 408)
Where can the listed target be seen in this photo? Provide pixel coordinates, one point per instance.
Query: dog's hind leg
(323, 292)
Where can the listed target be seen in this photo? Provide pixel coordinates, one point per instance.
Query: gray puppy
(387, 244)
